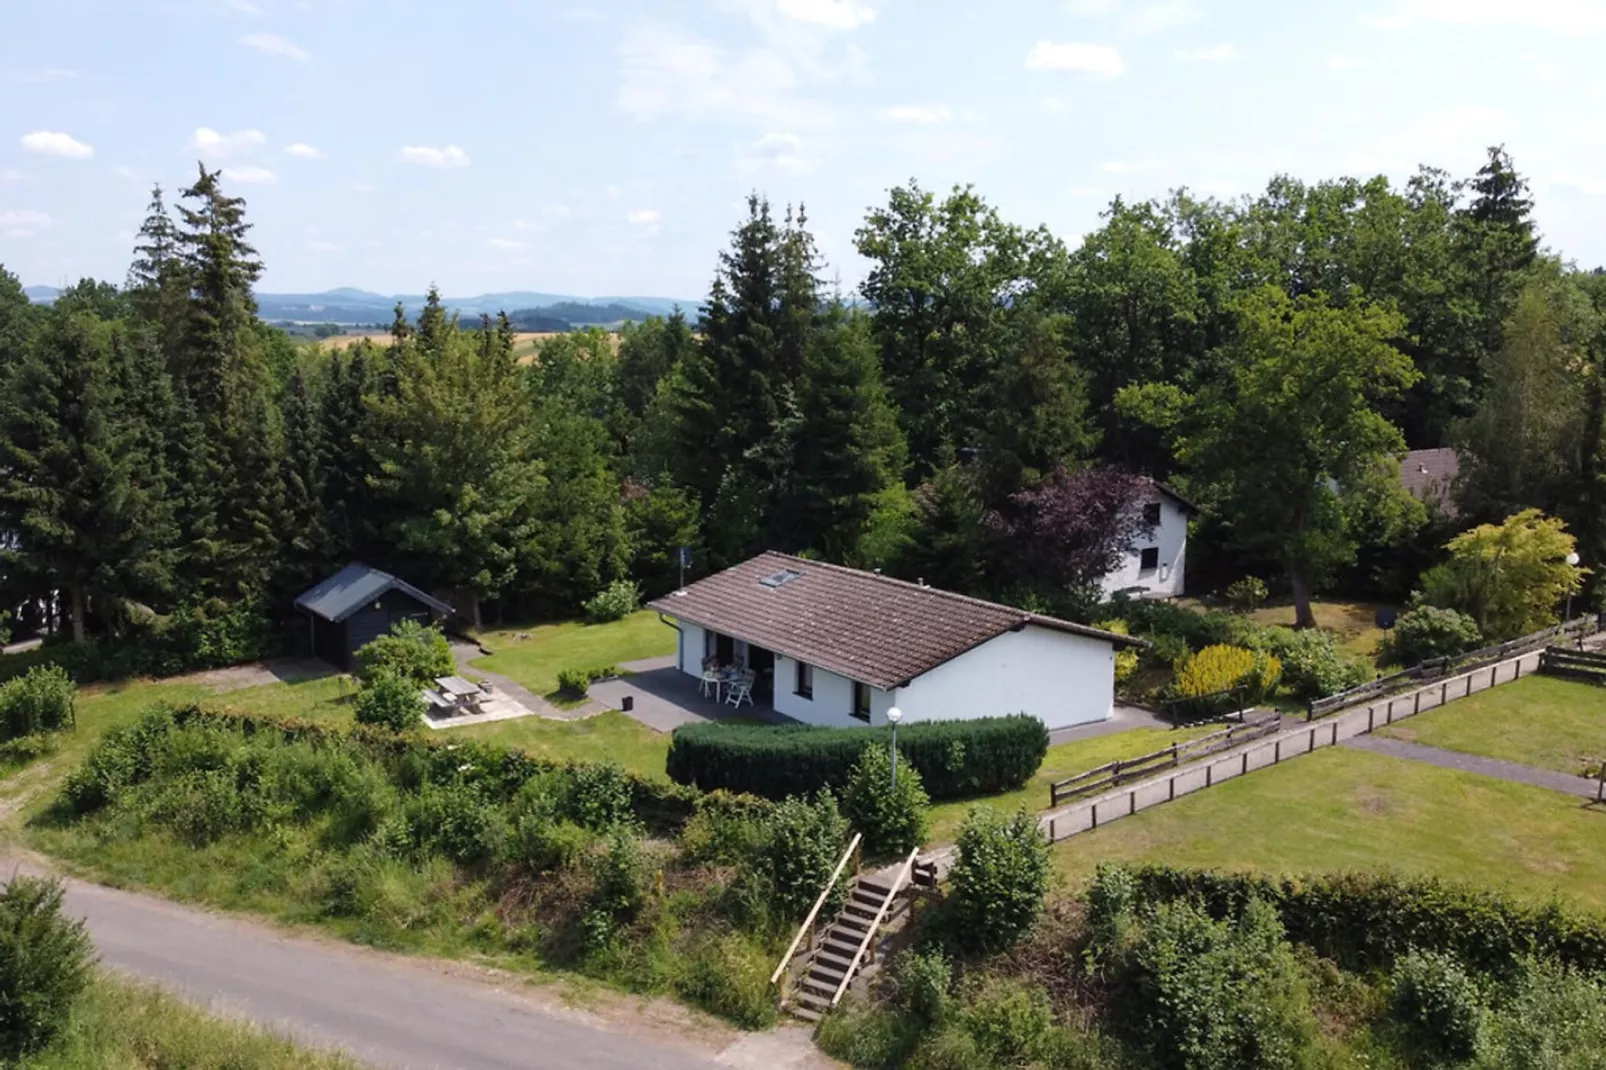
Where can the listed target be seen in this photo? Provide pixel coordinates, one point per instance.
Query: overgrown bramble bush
(1439, 1007)
(892, 816)
(1428, 632)
(40, 701)
(389, 701)
(1246, 594)
(45, 965)
(999, 881)
(1216, 669)
(614, 602)
(411, 651)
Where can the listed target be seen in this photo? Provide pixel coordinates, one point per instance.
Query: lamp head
(1573, 558)
(894, 715)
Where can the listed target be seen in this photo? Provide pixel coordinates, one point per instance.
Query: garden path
(1515, 772)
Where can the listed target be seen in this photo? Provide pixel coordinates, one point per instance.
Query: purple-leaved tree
(1075, 527)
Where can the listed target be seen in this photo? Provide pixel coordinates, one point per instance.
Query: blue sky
(593, 147)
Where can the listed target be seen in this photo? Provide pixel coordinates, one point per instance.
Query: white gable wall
(1171, 537)
(1059, 678)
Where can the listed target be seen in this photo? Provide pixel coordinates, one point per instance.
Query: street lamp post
(1572, 559)
(894, 715)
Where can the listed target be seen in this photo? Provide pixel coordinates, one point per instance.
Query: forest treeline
(979, 414)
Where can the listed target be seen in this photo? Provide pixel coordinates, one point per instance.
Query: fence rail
(1113, 775)
(1574, 664)
(1437, 668)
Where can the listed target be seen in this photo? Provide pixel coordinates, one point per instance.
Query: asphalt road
(383, 1010)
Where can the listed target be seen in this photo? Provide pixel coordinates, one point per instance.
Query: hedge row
(1366, 921)
(496, 770)
(956, 759)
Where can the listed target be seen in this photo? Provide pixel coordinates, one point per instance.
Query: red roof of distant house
(1430, 476)
(862, 625)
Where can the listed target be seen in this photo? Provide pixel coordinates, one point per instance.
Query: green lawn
(1342, 809)
(610, 736)
(535, 660)
(1543, 721)
(1063, 761)
(1352, 624)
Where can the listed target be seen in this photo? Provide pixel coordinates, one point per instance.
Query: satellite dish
(1386, 617)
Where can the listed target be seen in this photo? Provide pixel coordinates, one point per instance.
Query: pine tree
(157, 283)
(351, 517)
(306, 553)
(1500, 241)
(846, 448)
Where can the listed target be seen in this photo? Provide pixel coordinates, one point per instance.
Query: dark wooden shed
(359, 604)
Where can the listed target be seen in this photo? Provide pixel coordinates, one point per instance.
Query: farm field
(1541, 721)
(1063, 760)
(1342, 809)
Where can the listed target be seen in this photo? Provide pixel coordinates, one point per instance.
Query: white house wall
(1059, 678)
(1165, 581)
(690, 655)
(832, 703)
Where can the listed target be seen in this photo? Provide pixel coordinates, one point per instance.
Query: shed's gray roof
(355, 586)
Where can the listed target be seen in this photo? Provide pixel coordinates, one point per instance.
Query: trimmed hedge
(1368, 921)
(956, 759)
(496, 771)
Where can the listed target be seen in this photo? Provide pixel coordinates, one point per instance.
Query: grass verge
(534, 656)
(122, 1025)
(1541, 721)
(609, 736)
(1345, 809)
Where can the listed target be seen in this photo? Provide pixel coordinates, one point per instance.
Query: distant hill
(350, 306)
(41, 295)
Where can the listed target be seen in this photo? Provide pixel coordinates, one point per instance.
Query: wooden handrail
(875, 927)
(808, 922)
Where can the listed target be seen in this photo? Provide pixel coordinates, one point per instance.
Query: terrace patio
(664, 698)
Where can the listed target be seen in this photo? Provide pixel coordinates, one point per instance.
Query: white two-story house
(1154, 567)
(830, 645)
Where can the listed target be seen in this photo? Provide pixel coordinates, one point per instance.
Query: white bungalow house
(1154, 567)
(838, 646)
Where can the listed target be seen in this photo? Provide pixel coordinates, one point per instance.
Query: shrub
(1509, 577)
(1438, 1006)
(1164, 652)
(389, 701)
(45, 965)
(998, 883)
(1151, 618)
(1312, 666)
(598, 796)
(1202, 994)
(869, 1037)
(1246, 594)
(621, 877)
(614, 602)
(1427, 632)
(412, 651)
(457, 822)
(541, 844)
(1008, 1022)
(1555, 1018)
(40, 701)
(1126, 658)
(923, 980)
(729, 977)
(575, 682)
(956, 759)
(892, 815)
(1216, 669)
(803, 839)
(725, 829)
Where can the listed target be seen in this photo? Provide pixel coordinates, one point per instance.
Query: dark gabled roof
(1430, 476)
(1170, 492)
(355, 586)
(867, 627)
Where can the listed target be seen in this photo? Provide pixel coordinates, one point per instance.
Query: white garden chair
(742, 690)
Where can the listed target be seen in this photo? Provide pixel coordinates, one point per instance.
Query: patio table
(458, 690)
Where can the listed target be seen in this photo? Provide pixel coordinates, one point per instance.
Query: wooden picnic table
(458, 691)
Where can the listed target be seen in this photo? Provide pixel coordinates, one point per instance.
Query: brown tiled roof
(1430, 476)
(871, 628)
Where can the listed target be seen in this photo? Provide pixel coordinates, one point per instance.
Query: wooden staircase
(828, 969)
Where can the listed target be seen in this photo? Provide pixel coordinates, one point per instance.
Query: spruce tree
(306, 553)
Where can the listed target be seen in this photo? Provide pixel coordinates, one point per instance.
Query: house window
(1150, 559)
(805, 681)
(861, 701)
(1151, 515)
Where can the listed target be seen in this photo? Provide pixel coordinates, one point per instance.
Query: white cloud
(304, 151)
(11, 174)
(364, 187)
(781, 153)
(319, 245)
(1157, 18)
(642, 216)
(1222, 53)
(669, 72)
(274, 45)
(244, 7)
(23, 224)
(448, 156)
(44, 74)
(835, 14)
(1339, 62)
(1053, 104)
(55, 143)
(1562, 16)
(1101, 60)
(1129, 167)
(250, 176)
(124, 171)
(917, 114)
(211, 143)
(507, 245)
